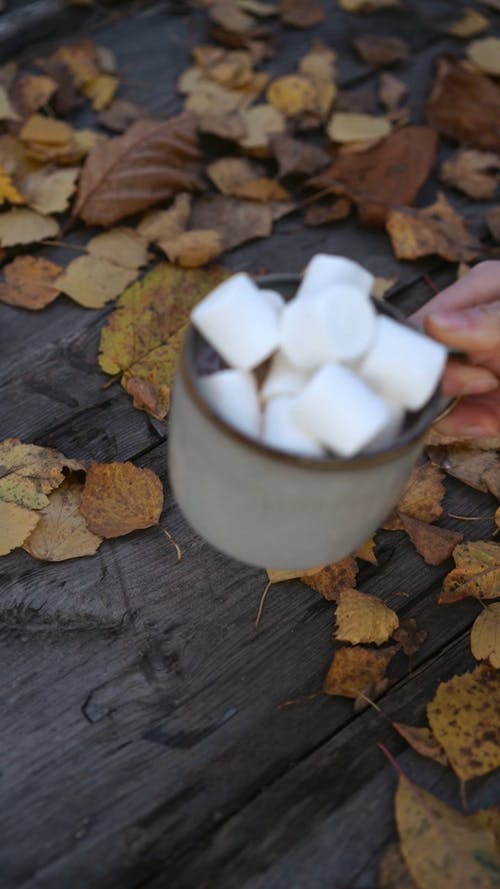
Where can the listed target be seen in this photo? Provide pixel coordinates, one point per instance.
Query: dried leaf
(80, 59)
(489, 819)
(16, 524)
(363, 618)
(442, 847)
(226, 126)
(296, 157)
(236, 221)
(392, 872)
(367, 5)
(228, 173)
(421, 498)
(119, 498)
(101, 90)
(367, 552)
(167, 156)
(435, 545)
(382, 286)
(160, 225)
(122, 246)
(485, 54)
(353, 670)
(62, 532)
(437, 229)
(192, 249)
(390, 90)
(477, 572)
(409, 637)
(144, 334)
(470, 465)
(476, 173)
(276, 576)
(227, 14)
(258, 8)
(465, 105)
(493, 4)
(7, 111)
(332, 579)
(292, 95)
(214, 99)
(39, 128)
(423, 741)
(30, 282)
(464, 716)
(32, 92)
(302, 13)
(120, 115)
(261, 122)
(485, 635)
(378, 51)
(92, 282)
(319, 65)
(325, 214)
(8, 192)
(30, 472)
(470, 23)
(24, 226)
(49, 191)
(262, 189)
(345, 126)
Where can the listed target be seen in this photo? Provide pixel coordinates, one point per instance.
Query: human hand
(466, 316)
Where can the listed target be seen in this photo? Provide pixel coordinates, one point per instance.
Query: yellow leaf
(443, 848)
(16, 524)
(101, 90)
(485, 54)
(194, 248)
(354, 670)
(278, 576)
(62, 532)
(119, 498)
(392, 872)
(349, 126)
(470, 23)
(381, 286)
(260, 123)
(160, 225)
(464, 716)
(476, 173)
(230, 173)
(292, 95)
(319, 66)
(363, 618)
(92, 282)
(39, 128)
(122, 246)
(30, 282)
(435, 229)
(485, 635)
(30, 472)
(367, 552)
(262, 189)
(8, 192)
(7, 112)
(477, 572)
(367, 5)
(421, 498)
(332, 579)
(24, 226)
(49, 191)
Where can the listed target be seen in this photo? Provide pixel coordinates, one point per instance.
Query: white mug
(272, 509)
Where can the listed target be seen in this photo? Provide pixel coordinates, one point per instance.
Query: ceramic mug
(272, 509)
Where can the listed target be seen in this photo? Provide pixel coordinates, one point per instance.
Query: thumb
(475, 329)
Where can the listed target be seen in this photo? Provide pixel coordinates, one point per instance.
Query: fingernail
(480, 386)
(455, 320)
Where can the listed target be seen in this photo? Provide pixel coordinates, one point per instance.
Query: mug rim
(406, 441)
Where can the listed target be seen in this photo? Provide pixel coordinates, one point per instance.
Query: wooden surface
(142, 742)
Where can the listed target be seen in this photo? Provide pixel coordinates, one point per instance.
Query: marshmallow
(233, 396)
(274, 298)
(282, 432)
(324, 270)
(340, 410)
(387, 436)
(240, 321)
(335, 324)
(402, 363)
(283, 378)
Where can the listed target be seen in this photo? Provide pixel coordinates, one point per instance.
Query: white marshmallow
(324, 270)
(402, 363)
(283, 378)
(240, 321)
(335, 324)
(387, 436)
(274, 298)
(281, 430)
(233, 396)
(340, 410)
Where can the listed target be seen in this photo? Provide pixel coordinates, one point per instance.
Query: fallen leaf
(392, 871)
(494, 4)
(489, 819)
(485, 54)
(80, 59)
(421, 499)
(229, 68)
(194, 248)
(470, 23)
(485, 635)
(371, 693)
(16, 524)
(62, 532)
(493, 222)
(382, 286)
(367, 5)
(229, 173)
(30, 473)
(258, 8)
(367, 552)
(66, 98)
(302, 13)
(437, 229)
(442, 847)
(39, 128)
(319, 66)
(30, 282)
(143, 336)
(465, 105)
(464, 716)
(409, 637)
(92, 282)
(49, 191)
(237, 221)
(262, 189)
(160, 225)
(325, 214)
(292, 95)
(167, 155)
(296, 157)
(122, 246)
(8, 192)
(276, 576)
(33, 91)
(101, 90)
(66, 153)
(476, 173)
(470, 465)
(492, 479)
(345, 126)
(119, 498)
(355, 669)
(477, 572)
(227, 14)
(389, 174)
(379, 51)
(226, 126)
(363, 618)
(120, 115)
(435, 545)
(390, 90)
(332, 579)
(214, 99)
(421, 739)
(261, 122)
(7, 111)
(24, 226)
(435, 438)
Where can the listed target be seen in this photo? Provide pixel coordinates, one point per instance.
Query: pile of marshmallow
(341, 376)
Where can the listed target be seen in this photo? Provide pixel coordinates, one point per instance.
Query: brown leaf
(226, 126)
(66, 98)
(346, 126)
(363, 618)
(194, 248)
(378, 51)
(332, 579)
(390, 90)
(16, 524)
(48, 191)
(302, 13)
(355, 669)
(24, 226)
(409, 637)
(165, 152)
(476, 173)
(62, 532)
(421, 498)
(92, 282)
(7, 110)
(31, 92)
(119, 498)
(477, 572)
(368, 5)
(494, 4)
(67, 153)
(319, 66)
(101, 90)
(386, 175)
(465, 105)
(485, 635)
(161, 225)
(367, 552)
(325, 214)
(236, 221)
(206, 97)
(493, 222)
(435, 545)
(492, 480)
(296, 157)
(382, 286)
(485, 54)
(423, 741)
(262, 189)
(120, 115)
(470, 465)
(392, 872)
(81, 60)
(437, 229)
(39, 128)
(227, 14)
(122, 246)
(228, 173)
(470, 23)
(292, 95)
(464, 716)
(30, 282)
